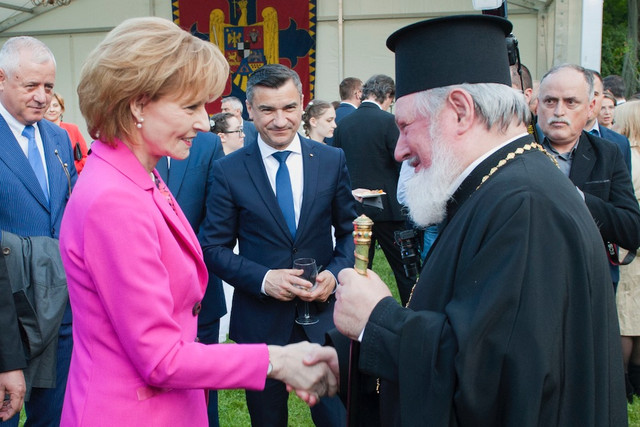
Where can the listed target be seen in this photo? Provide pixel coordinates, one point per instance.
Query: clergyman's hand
(315, 380)
(11, 384)
(356, 298)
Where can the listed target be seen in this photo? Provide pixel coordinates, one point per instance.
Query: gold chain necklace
(512, 155)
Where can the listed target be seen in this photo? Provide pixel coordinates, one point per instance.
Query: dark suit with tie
(599, 170)
(24, 211)
(243, 207)
(190, 181)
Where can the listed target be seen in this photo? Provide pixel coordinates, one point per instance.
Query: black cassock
(513, 321)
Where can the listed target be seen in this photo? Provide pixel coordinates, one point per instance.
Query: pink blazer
(136, 276)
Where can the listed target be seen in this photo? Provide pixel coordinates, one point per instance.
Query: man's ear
(461, 102)
(249, 110)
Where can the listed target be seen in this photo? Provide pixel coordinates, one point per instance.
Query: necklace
(512, 155)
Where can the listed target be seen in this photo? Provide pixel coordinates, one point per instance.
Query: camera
(407, 240)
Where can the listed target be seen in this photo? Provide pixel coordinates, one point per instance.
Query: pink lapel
(122, 159)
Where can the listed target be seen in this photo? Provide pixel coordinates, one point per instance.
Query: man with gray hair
(37, 173)
(594, 165)
(233, 105)
(513, 319)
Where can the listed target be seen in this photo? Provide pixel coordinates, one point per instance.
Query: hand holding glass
(310, 272)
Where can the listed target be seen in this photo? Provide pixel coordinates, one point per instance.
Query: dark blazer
(12, 355)
(190, 181)
(343, 110)
(23, 208)
(621, 141)
(250, 132)
(243, 207)
(598, 169)
(368, 137)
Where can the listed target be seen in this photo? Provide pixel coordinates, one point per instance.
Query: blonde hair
(627, 120)
(145, 58)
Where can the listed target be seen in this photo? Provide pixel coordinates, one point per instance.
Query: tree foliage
(616, 44)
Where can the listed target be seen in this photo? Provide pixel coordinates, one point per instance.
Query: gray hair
(272, 76)
(588, 75)
(11, 50)
(379, 86)
(234, 101)
(495, 104)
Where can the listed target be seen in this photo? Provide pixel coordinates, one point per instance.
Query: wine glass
(310, 272)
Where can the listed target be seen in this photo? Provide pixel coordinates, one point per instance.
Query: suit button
(295, 250)
(196, 308)
(6, 251)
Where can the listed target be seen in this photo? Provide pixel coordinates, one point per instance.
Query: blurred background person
(134, 265)
(229, 129)
(627, 122)
(233, 105)
(54, 114)
(605, 117)
(319, 120)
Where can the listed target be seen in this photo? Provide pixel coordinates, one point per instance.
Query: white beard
(429, 190)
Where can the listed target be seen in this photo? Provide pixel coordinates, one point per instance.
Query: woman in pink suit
(134, 266)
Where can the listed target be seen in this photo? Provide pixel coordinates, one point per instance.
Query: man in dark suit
(368, 138)
(190, 181)
(594, 128)
(594, 165)
(350, 93)
(233, 105)
(278, 197)
(37, 174)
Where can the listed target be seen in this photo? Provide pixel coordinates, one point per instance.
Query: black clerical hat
(451, 50)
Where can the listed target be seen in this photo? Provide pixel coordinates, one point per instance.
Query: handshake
(309, 369)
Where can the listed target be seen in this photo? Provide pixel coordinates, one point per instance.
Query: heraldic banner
(252, 33)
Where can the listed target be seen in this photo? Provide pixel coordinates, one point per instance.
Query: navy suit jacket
(343, 110)
(250, 132)
(621, 141)
(190, 181)
(23, 207)
(243, 207)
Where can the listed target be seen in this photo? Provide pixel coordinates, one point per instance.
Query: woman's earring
(139, 124)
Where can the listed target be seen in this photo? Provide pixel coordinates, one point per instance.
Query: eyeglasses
(239, 131)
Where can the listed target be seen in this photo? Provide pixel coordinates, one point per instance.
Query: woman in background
(319, 120)
(78, 144)
(229, 129)
(134, 265)
(627, 123)
(605, 116)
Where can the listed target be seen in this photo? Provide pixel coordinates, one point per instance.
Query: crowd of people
(523, 195)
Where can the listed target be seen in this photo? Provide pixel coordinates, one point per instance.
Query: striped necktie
(35, 160)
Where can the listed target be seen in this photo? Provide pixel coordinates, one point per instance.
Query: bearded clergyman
(513, 320)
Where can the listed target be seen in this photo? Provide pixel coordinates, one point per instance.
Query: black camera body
(407, 240)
